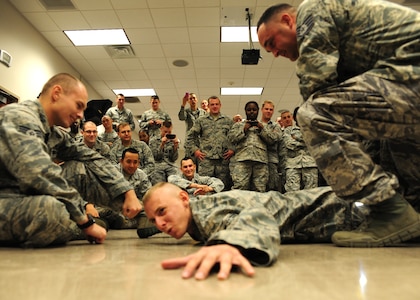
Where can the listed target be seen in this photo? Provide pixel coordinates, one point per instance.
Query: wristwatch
(89, 223)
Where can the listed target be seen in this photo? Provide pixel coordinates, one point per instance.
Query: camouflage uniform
(183, 182)
(300, 166)
(250, 170)
(108, 138)
(256, 222)
(273, 183)
(359, 70)
(153, 115)
(36, 200)
(118, 116)
(164, 159)
(138, 180)
(147, 163)
(189, 116)
(210, 136)
(101, 147)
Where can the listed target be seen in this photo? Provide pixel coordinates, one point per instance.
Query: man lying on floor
(243, 228)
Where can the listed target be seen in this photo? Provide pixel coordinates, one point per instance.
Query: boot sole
(409, 232)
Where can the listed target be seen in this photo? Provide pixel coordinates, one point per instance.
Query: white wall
(34, 60)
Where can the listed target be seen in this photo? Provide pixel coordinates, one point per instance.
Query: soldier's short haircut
(65, 80)
(213, 98)
(268, 102)
(252, 102)
(273, 11)
(130, 150)
(122, 124)
(185, 159)
(87, 122)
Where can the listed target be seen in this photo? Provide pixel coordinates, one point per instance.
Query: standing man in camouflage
(275, 132)
(120, 114)
(152, 119)
(189, 115)
(242, 227)
(358, 62)
(39, 206)
(208, 141)
(165, 152)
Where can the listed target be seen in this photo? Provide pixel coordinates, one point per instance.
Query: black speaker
(250, 56)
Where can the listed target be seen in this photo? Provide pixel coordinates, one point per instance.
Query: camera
(253, 123)
(170, 136)
(155, 125)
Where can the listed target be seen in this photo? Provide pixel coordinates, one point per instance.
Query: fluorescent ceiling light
(241, 91)
(97, 37)
(238, 34)
(135, 92)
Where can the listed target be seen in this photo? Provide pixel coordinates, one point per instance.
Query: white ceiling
(161, 31)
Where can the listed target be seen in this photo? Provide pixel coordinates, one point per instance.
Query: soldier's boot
(145, 227)
(391, 222)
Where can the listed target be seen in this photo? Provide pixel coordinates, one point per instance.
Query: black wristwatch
(89, 223)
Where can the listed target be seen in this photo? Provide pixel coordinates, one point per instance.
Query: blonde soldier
(358, 65)
(39, 205)
(242, 227)
(276, 133)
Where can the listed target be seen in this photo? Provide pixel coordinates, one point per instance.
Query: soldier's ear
(185, 198)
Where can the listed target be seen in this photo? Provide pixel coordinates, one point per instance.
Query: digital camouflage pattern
(153, 115)
(147, 162)
(184, 183)
(300, 167)
(359, 71)
(165, 159)
(119, 116)
(256, 222)
(101, 147)
(210, 136)
(139, 180)
(36, 200)
(189, 116)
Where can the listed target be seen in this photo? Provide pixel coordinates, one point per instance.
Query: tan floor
(126, 267)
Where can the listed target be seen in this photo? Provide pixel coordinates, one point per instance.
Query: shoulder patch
(30, 132)
(305, 27)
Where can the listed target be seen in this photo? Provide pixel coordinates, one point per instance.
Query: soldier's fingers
(175, 263)
(204, 265)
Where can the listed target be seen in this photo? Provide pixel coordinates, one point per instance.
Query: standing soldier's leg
(260, 176)
(292, 180)
(309, 178)
(333, 124)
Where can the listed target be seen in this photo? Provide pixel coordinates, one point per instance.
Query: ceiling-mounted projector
(250, 56)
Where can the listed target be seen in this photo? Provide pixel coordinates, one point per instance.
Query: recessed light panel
(238, 34)
(97, 37)
(238, 91)
(135, 92)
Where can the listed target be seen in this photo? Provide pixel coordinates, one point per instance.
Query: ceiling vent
(120, 51)
(57, 4)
